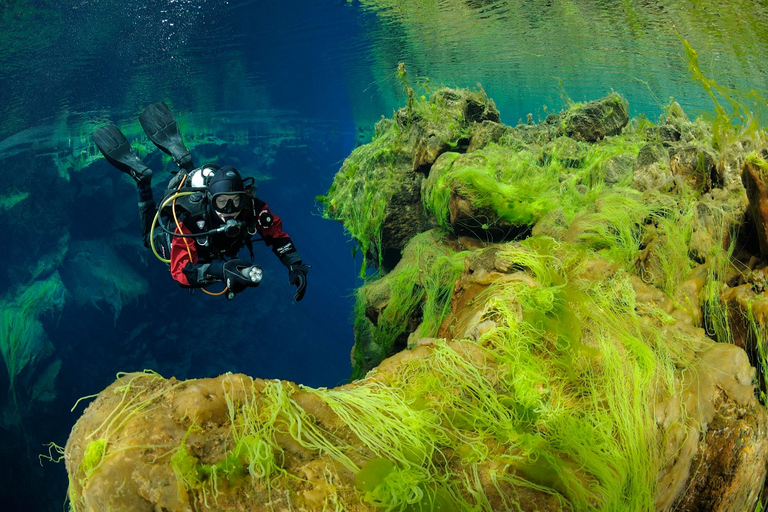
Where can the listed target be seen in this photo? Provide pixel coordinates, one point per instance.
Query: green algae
(586, 434)
(23, 341)
(11, 199)
(492, 178)
(373, 173)
(581, 359)
(745, 109)
(417, 291)
(364, 186)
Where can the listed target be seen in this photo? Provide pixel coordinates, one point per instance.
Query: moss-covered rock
(411, 300)
(597, 119)
(556, 383)
(376, 193)
(493, 194)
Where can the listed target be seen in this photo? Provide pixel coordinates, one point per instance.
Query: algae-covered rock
(446, 122)
(597, 119)
(493, 193)
(673, 230)
(547, 389)
(376, 193)
(706, 415)
(411, 300)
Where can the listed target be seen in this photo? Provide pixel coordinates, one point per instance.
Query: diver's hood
(225, 180)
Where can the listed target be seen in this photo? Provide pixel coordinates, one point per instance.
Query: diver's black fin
(118, 152)
(162, 130)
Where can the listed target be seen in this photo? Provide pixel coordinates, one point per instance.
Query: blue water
(284, 91)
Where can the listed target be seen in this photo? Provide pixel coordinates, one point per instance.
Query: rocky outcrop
(477, 195)
(709, 422)
(472, 419)
(386, 174)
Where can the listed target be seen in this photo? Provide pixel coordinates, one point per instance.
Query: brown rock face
(721, 479)
(755, 177)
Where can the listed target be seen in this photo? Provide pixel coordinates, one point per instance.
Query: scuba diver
(207, 215)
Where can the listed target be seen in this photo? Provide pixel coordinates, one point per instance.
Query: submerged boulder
(597, 119)
(546, 388)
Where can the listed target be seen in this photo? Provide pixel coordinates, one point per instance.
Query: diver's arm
(270, 227)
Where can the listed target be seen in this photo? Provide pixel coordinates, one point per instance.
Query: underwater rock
(485, 133)
(710, 424)
(95, 275)
(617, 168)
(392, 308)
(755, 178)
(566, 150)
(541, 394)
(472, 206)
(376, 191)
(651, 169)
(673, 232)
(696, 166)
(404, 218)
(597, 119)
(747, 306)
(446, 125)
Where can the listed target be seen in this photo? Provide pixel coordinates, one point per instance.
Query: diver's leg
(147, 211)
(118, 152)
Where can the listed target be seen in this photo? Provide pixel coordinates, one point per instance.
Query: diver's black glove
(297, 275)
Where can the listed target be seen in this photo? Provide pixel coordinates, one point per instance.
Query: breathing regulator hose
(156, 221)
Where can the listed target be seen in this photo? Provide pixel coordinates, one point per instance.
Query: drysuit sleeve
(185, 268)
(270, 227)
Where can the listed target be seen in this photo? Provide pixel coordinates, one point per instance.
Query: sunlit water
(283, 91)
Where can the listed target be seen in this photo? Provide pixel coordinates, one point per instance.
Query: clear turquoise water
(284, 91)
